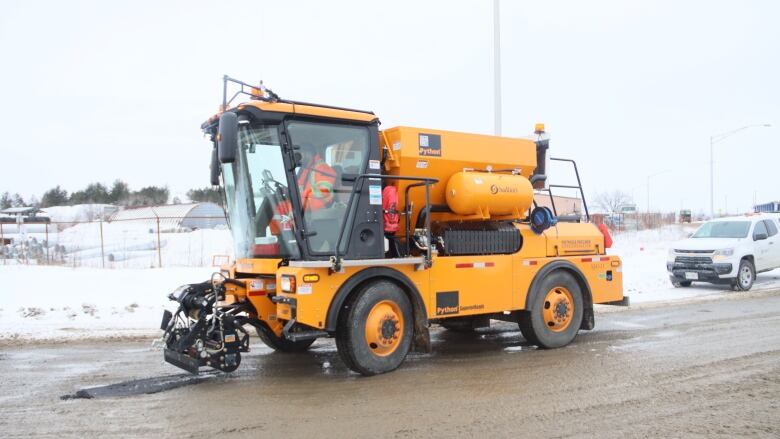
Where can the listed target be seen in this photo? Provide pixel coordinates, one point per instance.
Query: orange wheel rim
(558, 309)
(384, 328)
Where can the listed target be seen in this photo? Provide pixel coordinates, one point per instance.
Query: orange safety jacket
(316, 184)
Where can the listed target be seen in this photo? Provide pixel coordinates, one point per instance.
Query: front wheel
(745, 276)
(374, 332)
(555, 314)
(680, 283)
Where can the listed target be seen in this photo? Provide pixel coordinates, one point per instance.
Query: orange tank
(489, 194)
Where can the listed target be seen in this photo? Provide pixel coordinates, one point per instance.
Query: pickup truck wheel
(280, 344)
(555, 314)
(374, 331)
(745, 276)
(680, 283)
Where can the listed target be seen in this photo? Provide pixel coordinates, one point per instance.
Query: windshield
(723, 229)
(257, 198)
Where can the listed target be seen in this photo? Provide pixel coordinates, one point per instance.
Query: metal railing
(356, 188)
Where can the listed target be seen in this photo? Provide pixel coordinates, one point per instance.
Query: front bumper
(715, 272)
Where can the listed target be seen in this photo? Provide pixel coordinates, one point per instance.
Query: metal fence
(634, 221)
(150, 242)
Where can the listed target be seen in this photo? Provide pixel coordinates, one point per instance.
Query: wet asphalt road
(706, 369)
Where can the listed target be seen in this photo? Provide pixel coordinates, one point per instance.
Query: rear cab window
(770, 227)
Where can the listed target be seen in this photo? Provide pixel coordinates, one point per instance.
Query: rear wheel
(375, 329)
(745, 276)
(281, 344)
(555, 314)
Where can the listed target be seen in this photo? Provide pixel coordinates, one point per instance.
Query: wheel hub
(384, 328)
(558, 309)
(389, 327)
(561, 309)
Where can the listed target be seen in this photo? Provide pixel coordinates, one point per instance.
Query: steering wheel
(279, 188)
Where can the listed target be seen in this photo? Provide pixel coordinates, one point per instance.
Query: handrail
(422, 181)
(579, 186)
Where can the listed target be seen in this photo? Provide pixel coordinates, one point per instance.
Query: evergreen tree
(5, 201)
(149, 196)
(120, 192)
(98, 193)
(54, 197)
(208, 194)
(18, 201)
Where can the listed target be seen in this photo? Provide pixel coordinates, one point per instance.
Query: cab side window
(771, 228)
(759, 229)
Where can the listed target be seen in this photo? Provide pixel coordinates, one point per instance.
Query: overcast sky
(95, 91)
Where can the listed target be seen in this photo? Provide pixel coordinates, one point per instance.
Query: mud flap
(422, 337)
(182, 361)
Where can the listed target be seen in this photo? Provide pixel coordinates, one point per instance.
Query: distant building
(22, 214)
(772, 206)
(176, 217)
(19, 223)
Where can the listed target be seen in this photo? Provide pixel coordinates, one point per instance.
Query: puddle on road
(143, 386)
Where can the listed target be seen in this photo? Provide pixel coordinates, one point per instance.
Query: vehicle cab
(727, 251)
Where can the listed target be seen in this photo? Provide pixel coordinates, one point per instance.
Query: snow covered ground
(55, 303)
(44, 302)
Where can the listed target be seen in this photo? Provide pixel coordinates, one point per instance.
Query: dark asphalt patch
(143, 386)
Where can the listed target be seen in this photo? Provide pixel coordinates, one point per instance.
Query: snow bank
(131, 244)
(38, 302)
(77, 213)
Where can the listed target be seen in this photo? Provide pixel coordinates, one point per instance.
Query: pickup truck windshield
(723, 229)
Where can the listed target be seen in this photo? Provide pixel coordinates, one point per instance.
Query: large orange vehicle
(371, 236)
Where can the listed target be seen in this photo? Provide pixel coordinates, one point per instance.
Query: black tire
(746, 275)
(280, 344)
(532, 322)
(355, 350)
(680, 283)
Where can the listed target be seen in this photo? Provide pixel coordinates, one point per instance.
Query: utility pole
(496, 69)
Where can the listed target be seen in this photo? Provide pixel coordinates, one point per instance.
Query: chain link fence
(635, 221)
(149, 242)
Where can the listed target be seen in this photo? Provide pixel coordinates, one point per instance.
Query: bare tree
(612, 201)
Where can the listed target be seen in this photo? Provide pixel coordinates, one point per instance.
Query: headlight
(288, 283)
(671, 253)
(722, 254)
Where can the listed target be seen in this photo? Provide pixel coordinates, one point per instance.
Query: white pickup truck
(727, 251)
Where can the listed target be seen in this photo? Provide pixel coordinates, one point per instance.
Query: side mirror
(227, 143)
(759, 236)
(214, 167)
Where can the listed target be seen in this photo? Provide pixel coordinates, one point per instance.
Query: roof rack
(262, 93)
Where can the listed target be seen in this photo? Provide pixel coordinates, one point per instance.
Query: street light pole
(496, 69)
(719, 138)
